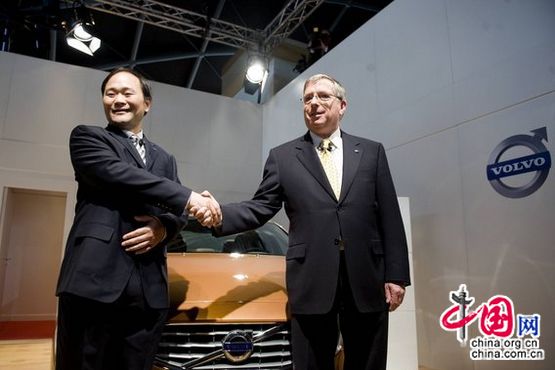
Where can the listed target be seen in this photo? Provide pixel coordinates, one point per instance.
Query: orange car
(228, 301)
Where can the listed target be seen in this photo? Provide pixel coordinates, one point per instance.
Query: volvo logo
(238, 345)
(500, 171)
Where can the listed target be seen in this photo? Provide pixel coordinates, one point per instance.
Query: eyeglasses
(322, 98)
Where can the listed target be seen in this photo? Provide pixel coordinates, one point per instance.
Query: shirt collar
(335, 138)
(131, 133)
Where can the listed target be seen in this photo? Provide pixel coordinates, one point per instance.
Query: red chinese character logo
(496, 317)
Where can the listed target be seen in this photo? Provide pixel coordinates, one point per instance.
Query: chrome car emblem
(237, 345)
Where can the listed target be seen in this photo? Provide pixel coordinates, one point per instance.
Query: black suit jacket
(366, 219)
(114, 185)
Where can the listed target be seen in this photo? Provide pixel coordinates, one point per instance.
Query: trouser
(315, 337)
(122, 335)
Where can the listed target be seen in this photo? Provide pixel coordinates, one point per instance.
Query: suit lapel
(352, 153)
(309, 159)
(124, 139)
(151, 153)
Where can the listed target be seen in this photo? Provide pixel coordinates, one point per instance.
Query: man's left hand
(144, 238)
(394, 295)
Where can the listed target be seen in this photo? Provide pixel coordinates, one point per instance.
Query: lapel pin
(356, 150)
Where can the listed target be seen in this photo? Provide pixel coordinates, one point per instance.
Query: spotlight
(256, 70)
(78, 38)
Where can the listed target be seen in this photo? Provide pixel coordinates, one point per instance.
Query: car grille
(199, 347)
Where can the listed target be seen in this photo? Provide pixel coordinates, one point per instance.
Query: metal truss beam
(178, 20)
(198, 25)
(291, 16)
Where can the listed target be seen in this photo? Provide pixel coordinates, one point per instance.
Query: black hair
(145, 85)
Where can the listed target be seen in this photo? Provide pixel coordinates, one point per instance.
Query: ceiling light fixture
(257, 73)
(257, 68)
(78, 38)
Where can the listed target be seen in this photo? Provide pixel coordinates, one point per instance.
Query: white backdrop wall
(441, 83)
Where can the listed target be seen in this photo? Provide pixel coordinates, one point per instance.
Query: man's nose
(119, 98)
(314, 100)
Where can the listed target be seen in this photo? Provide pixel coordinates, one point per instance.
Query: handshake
(205, 209)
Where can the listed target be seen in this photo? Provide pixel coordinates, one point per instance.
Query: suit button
(340, 243)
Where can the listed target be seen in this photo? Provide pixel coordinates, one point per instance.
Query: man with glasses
(347, 261)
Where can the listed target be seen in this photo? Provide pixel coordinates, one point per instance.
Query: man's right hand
(205, 209)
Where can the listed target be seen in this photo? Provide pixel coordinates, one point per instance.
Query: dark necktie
(140, 146)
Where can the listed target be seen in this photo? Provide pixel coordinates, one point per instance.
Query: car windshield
(195, 238)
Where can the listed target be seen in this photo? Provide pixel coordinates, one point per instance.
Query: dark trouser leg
(364, 334)
(314, 340)
(365, 341)
(81, 339)
(104, 336)
(70, 332)
(139, 328)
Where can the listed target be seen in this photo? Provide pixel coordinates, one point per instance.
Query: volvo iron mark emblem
(238, 345)
(539, 162)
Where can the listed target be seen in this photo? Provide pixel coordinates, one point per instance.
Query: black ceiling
(34, 28)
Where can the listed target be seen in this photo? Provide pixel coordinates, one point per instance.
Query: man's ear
(343, 107)
(148, 104)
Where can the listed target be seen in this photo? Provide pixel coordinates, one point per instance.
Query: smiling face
(322, 108)
(124, 102)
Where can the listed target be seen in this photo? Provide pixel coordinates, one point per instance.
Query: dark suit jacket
(113, 187)
(366, 218)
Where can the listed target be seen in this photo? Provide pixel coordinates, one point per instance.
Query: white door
(32, 237)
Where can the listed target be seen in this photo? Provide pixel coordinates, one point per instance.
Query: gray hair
(338, 89)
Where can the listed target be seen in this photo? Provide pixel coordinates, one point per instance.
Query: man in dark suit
(347, 261)
(112, 288)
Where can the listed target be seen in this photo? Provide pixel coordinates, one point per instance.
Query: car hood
(208, 287)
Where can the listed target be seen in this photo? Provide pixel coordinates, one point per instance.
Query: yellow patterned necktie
(324, 152)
